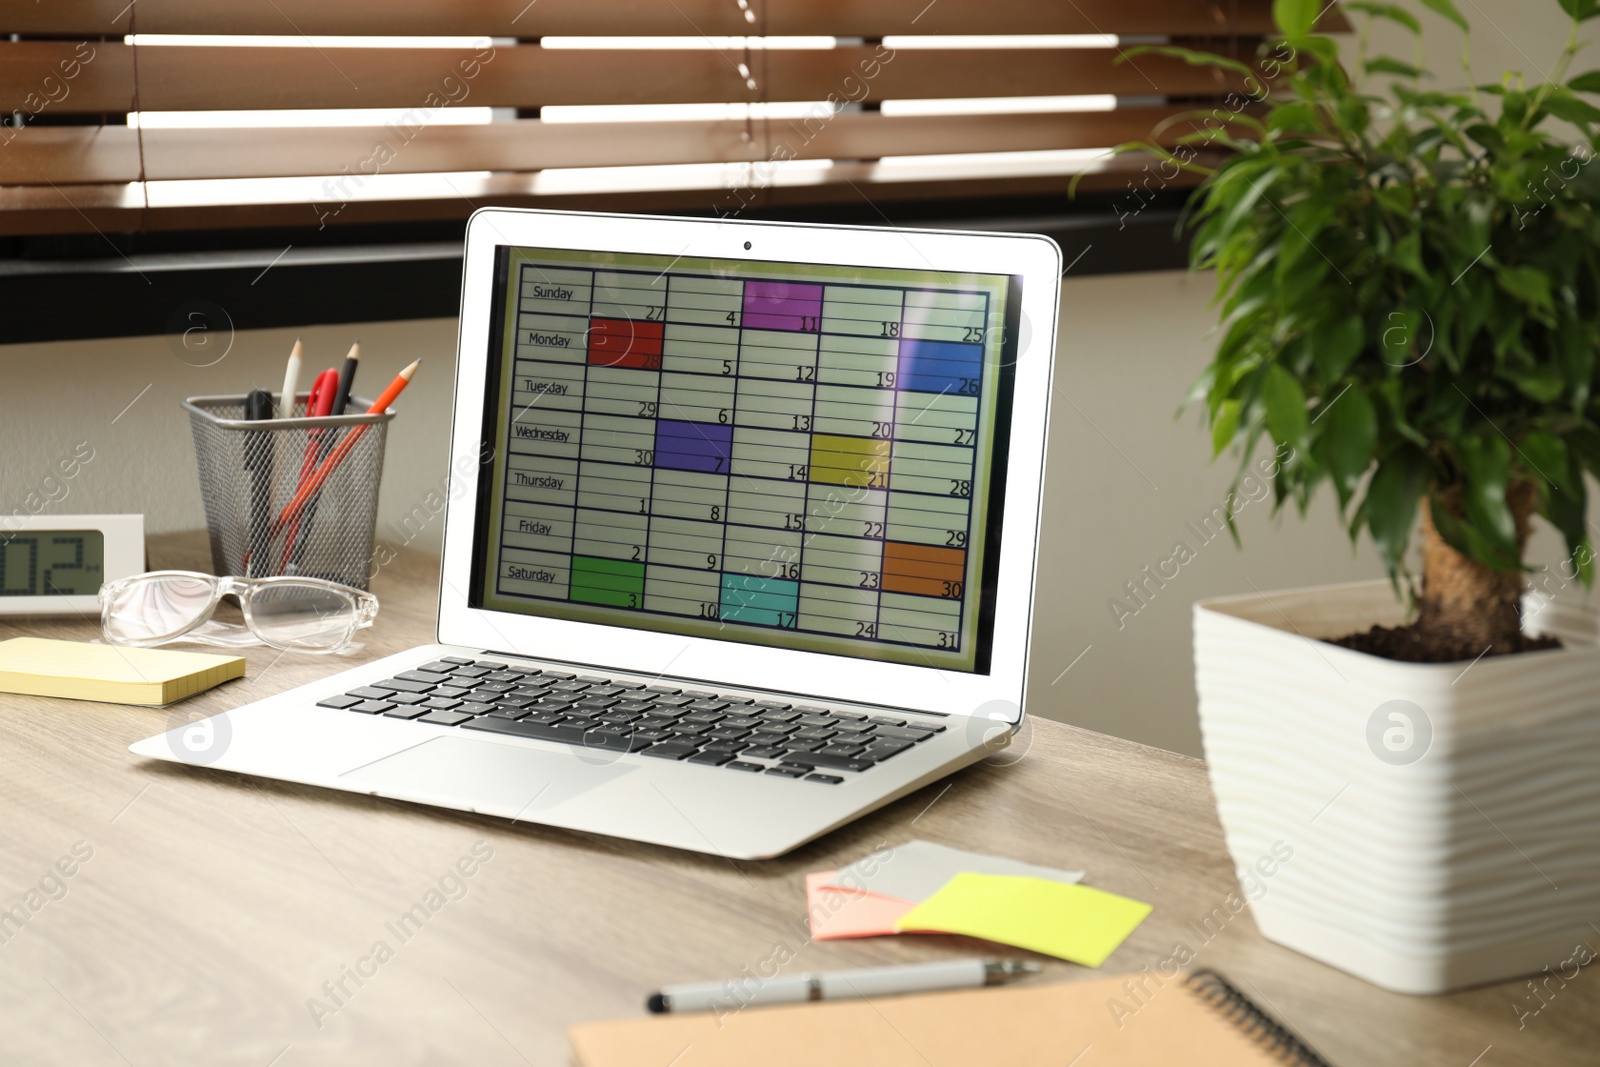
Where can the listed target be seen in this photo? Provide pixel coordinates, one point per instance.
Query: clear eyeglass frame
(286, 612)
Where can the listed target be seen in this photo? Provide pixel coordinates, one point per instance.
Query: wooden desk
(214, 908)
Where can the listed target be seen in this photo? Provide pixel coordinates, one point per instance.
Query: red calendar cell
(625, 343)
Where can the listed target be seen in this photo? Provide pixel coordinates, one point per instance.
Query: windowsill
(153, 285)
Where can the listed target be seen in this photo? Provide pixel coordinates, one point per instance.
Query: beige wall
(122, 396)
(1124, 477)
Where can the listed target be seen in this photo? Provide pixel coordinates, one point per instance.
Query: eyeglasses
(287, 612)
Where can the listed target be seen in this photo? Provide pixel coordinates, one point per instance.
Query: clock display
(52, 563)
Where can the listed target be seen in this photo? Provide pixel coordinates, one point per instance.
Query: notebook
(112, 673)
(1198, 1020)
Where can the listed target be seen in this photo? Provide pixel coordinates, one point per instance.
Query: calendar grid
(808, 450)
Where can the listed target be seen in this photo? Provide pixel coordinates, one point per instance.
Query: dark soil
(1404, 643)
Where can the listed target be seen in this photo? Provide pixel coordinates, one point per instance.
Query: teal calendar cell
(766, 601)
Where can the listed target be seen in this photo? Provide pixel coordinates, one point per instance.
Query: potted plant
(1408, 284)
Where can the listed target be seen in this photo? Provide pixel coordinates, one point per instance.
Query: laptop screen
(794, 455)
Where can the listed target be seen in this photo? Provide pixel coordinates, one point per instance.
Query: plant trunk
(1466, 606)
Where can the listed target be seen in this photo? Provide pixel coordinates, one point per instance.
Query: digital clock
(56, 564)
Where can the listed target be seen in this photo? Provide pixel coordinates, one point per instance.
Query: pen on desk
(867, 982)
(258, 461)
(309, 488)
(318, 405)
(291, 382)
(347, 377)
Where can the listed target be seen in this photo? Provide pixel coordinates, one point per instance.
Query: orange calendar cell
(926, 570)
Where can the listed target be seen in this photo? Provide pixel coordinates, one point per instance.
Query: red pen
(308, 489)
(318, 405)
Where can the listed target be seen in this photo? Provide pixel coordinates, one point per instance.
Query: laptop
(740, 542)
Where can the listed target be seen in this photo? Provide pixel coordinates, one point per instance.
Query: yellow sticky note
(1073, 922)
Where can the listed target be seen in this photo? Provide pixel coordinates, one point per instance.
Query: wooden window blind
(199, 114)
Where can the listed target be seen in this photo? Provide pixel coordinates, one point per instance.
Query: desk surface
(213, 908)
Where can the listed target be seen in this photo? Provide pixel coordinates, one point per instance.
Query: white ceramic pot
(1444, 820)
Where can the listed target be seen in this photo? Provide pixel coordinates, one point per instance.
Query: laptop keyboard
(688, 725)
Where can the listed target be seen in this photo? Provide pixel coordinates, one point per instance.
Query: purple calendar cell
(693, 446)
(782, 306)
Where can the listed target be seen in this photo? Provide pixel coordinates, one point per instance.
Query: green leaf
(1191, 56)
(1403, 340)
(1255, 189)
(1397, 198)
(1466, 538)
(1509, 335)
(1294, 115)
(1514, 106)
(1325, 73)
(1349, 434)
(1304, 285)
(1387, 11)
(1336, 344)
(1575, 356)
(1583, 446)
(1390, 507)
(1528, 284)
(1486, 464)
(1567, 509)
(1485, 135)
(1225, 426)
(1307, 220)
(1295, 18)
(1563, 105)
(1545, 456)
(1390, 65)
(1449, 11)
(1581, 10)
(1286, 407)
(1542, 384)
(1587, 82)
(1407, 255)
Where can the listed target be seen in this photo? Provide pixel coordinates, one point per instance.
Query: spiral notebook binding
(1244, 1013)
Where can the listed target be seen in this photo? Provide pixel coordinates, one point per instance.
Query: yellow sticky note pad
(1073, 922)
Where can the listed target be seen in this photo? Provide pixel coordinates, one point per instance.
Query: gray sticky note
(918, 869)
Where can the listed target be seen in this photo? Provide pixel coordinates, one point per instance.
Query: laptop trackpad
(498, 778)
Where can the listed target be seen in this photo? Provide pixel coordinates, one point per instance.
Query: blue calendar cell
(693, 446)
(940, 366)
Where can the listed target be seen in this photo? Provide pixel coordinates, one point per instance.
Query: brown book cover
(1198, 1020)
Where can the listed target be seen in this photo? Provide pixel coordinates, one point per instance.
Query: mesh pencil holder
(254, 478)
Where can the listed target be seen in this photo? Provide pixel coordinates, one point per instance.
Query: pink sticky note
(838, 913)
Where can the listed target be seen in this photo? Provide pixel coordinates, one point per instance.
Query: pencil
(291, 383)
(347, 377)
